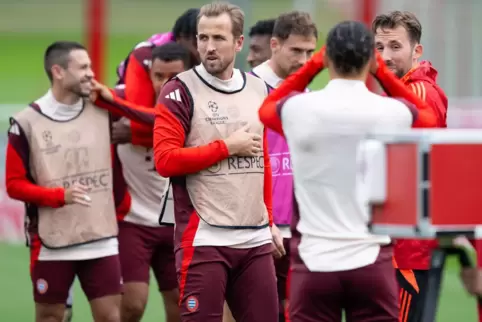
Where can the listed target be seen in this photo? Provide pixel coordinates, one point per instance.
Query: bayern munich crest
(42, 286)
(192, 303)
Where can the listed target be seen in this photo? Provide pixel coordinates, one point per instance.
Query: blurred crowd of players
(119, 181)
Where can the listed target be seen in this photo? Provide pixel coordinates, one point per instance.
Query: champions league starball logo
(47, 137)
(213, 106)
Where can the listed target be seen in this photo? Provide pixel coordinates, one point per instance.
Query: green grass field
(16, 302)
(28, 26)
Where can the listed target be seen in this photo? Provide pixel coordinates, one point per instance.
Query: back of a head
(349, 47)
(58, 54)
(186, 25)
(294, 23)
(262, 28)
(218, 8)
(171, 52)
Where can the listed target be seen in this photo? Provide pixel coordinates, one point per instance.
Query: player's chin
(83, 92)
(213, 68)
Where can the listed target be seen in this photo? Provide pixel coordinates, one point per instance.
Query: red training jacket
(422, 79)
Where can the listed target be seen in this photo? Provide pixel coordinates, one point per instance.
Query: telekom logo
(281, 164)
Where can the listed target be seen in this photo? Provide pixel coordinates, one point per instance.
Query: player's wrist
(231, 147)
(60, 196)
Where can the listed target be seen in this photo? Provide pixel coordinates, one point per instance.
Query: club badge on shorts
(42, 286)
(192, 303)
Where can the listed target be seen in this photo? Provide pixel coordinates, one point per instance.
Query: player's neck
(276, 69)
(64, 97)
(351, 77)
(226, 74)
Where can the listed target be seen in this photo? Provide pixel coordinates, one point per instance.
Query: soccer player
(336, 263)
(59, 163)
(260, 42)
(206, 128)
(134, 75)
(293, 42)
(146, 233)
(397, 38)
(208, 139)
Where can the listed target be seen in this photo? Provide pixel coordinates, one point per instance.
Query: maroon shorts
(142, 247)
(366, 294)
(244, 277)
(282, 266)
(98, 277)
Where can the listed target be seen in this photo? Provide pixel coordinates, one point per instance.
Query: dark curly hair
(186, 25)
(262, 28)
(349, 46)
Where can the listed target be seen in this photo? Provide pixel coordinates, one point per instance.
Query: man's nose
(211, 48)
(303, 58)
(90, 73)
(386, 55)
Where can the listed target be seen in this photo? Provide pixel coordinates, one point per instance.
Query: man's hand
(318, 59)
(472, 280)
(121, 131)
(242, 143)
(77, 194)
(278, 247)
(376, 62)
(101, 90)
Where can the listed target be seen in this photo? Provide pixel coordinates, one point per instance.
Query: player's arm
(270, 113)
(173, 122)
(138, 85)
(124, 108)
(395, 88)
(268, 193)
(296, 82)
(139, 90)
(141, 134)
(19, 183)
(430, 95)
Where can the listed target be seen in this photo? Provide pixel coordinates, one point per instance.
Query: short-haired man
(213, 149)
(59, 164)
(336, 263)
(397, 38)
(210, 142)
(146, 232)
(293, 42)
(260, 42)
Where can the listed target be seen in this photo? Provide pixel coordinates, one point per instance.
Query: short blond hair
(217, 8)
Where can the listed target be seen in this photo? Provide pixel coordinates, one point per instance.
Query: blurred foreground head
(349, 50)
(69, 68)
(220, 37)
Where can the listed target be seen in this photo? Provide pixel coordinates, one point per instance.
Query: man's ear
(417, 51)
(57, 72)
(239, 43)
(274, 44)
